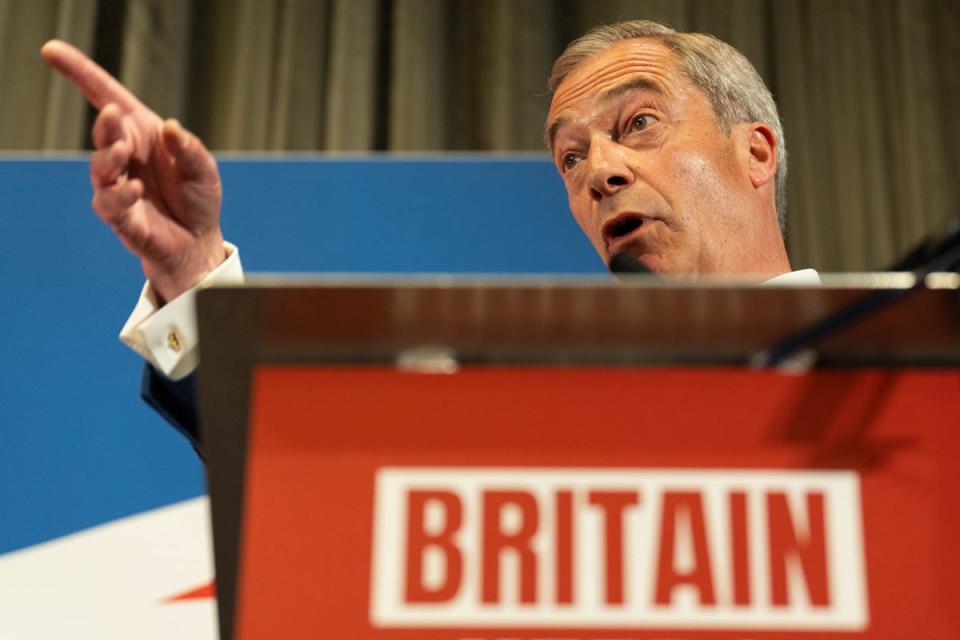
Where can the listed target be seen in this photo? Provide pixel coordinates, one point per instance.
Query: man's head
(670, 148)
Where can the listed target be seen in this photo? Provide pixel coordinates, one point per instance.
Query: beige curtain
(867, 88)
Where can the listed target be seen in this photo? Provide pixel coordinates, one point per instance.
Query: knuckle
(105, 204)
(119, 152)
(118, 220)
(101, 203)
(99, 126)
(96, 161)
(99, 175)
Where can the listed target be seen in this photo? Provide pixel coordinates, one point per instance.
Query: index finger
(98, 86)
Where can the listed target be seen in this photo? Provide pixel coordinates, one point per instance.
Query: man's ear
(763, 154)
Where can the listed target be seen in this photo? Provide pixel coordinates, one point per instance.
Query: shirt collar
(802, 278)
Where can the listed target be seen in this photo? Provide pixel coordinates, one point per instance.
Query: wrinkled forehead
(624, 62)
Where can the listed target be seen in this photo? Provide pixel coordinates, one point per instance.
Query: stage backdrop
(77, 446)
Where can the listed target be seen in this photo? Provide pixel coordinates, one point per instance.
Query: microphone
(937, 252)
(624, 263)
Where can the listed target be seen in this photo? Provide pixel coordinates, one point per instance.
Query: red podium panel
(535, 503)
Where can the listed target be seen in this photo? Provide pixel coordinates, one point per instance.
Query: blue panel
(77, 447)
(427, 215)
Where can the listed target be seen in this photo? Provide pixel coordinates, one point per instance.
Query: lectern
(456, 459)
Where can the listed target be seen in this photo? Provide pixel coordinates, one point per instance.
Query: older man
(669, 145)
(671, 149)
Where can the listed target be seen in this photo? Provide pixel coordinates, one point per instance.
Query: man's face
(646, 166)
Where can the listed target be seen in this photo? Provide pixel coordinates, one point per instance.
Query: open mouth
(621, 227)
(625, 227)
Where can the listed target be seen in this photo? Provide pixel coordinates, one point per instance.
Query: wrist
(171, 281)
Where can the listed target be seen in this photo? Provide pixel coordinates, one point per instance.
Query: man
(669, 145)
(670, 148)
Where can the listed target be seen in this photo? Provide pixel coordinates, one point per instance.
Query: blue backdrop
(77, 447)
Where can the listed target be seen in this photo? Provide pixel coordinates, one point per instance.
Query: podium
(441, 458)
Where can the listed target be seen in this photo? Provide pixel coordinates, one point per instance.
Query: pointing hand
(154, 183)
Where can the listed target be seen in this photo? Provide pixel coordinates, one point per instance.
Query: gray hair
(735, 89)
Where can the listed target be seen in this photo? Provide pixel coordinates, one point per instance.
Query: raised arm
(154, 183)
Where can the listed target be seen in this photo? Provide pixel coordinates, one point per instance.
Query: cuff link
(174, 341)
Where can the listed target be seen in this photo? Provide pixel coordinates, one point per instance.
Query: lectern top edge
(849, 281)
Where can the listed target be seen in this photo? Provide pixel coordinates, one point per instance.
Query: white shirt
(167, 336)
(802, 278)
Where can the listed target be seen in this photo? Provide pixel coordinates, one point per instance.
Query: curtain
(867, 88)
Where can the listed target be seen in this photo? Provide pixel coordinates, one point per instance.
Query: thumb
(193, 160)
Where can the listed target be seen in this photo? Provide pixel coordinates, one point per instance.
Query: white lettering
(625, 549)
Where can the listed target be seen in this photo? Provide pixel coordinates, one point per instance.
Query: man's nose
(608, 166)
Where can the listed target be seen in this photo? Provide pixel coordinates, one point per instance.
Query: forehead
(628, 61)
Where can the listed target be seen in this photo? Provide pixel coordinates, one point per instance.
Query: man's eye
(569, 161)
(639, 123)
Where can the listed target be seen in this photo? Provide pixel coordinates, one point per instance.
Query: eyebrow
(608, 95)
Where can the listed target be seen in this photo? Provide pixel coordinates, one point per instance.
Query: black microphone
(624, 263)
(936, 252)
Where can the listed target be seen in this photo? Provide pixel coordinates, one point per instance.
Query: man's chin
(624, 263)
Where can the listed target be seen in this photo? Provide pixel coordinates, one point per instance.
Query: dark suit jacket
(174, 401)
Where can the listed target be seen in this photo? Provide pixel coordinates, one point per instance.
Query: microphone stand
(942, 255)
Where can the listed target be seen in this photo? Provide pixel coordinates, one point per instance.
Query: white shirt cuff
(166, 336)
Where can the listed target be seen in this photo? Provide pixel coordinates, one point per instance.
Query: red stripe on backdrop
(200, 593)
